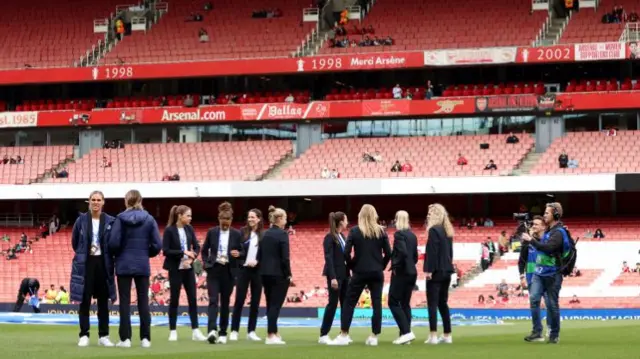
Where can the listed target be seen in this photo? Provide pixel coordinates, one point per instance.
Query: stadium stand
(232, 32)
(50, 34)
(429, 157)
(586, 25)
(595, 152)
(468, 24)
(36, 161)
(224, 161)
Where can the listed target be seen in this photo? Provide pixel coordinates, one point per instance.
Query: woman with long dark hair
(220, 253)
(438, 266)
(92, 269)
(133, 240)
(180, 248)
(403, 278)
(335, 269)
(248, 276)
(275, 269)
(372, 254)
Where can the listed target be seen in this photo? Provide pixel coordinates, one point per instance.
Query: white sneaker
(197, 336)
(274, 340)
(83, 341)
(253, 337)
(341, 339)
(233, 336)
(405, 339)
(222, 340)
(145, 343)
(324, 340)
(445, 340)
(212, 337)
(371, 341)
(431, 340)
(173, 336)
(124, 344)
(105, 342)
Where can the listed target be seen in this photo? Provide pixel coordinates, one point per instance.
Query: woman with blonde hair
(438, 266)
(403, 278)
(372, 254)
(275, 270)
(133, 240)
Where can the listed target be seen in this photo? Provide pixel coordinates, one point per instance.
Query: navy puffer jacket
(134, 238)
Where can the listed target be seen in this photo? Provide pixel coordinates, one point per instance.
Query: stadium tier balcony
(43, 33)
(429, 157)
(232, 33)
(35, 162)
(208, 161)
(587, 26)
(423, 25)
(595, 152)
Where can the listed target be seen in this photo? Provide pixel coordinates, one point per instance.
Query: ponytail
(173, 218)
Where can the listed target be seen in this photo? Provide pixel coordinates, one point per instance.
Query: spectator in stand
(484, 257)
(367, 157)
(19, 160)
(462, 161)
(573, 163)
(512, 139)
(429, 92)
(563, 159)
(625, 267)
(175, 177)
(488, 222)
(633, 17)
(490, 166)
(335, 174)
(574, 300)
(397, 92)
(325, 173)
(5, 160)
(289, 99)
(62, 174)
(481, 299)
(503, 243)
(397, 167)
(377, 157)
(598, 234)
(407, 167)
(105, 162)
(188, 101)
(203, 35)
(51, 294)
(611, 132)
(208, 6)
(11, 254)
(637, 268)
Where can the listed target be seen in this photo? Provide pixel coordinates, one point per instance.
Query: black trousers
(248, 278)
(124, 295)
(437, 300)
(22, 293)
(95, 286)
(219, 286)
(275, 292)
(335, 296)
(400, 293)
(177, 279)
(374, 281)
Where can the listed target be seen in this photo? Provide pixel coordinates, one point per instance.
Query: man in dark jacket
(547, 278)
(92, 269)
(134, 239)
(30, 287)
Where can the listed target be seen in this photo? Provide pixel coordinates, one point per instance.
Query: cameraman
(547, 279)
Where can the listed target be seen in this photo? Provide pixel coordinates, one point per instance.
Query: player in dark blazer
(335, 269)
(275, 269)
(404, 274)
(372, 254)
(220, 253)
(438, 266)
(180, 248)
(248, 277)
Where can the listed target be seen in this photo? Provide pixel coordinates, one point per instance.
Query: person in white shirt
(289, 99)
(248, 276)
(397, 92)
(220, 253)
(325, 173)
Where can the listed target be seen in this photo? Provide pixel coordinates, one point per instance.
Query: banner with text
(323, 110)
(498, 55)
(18, 119)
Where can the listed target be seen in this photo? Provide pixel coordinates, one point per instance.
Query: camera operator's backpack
(569, 253)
